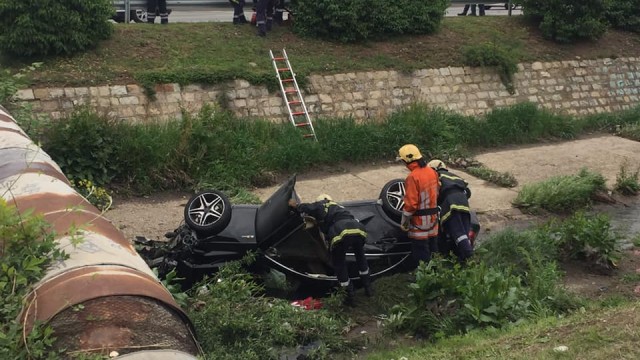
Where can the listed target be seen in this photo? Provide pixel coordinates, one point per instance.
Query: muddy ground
(154, 215)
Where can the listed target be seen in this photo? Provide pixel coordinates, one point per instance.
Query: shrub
(27, 247)
(505, 60)
(358, 20)
(627, 181)
(623, 14)
(630, 131)
(568, 20)
(83, 146)
(10, 82)
(96, 195)
(229, 308)
(561, 193)
(51, 27)
(588, 237)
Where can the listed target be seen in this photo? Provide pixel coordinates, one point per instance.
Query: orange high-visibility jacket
(421, 201)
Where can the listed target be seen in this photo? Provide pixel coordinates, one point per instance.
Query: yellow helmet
(409, 153)
(324, 197)
(437, 164)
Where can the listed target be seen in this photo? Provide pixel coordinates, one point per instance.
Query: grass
(504, 179)
(603, 334)
(215, 52)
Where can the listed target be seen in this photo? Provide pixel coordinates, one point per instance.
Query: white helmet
(437, 164)
(324, 197)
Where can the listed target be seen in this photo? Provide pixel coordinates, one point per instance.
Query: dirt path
(153, 216)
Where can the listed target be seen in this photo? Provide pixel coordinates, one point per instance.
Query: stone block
(537, 66)
(118, 90)
(104, 91)
(129, 100)
(24, 95)
(55, 93)
(69, 92)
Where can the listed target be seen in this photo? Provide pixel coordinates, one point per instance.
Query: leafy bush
(358, 20)
(27, 247)
(568, 20)
(51, 27)
(623, 14)
(83, 146)
(627, 181)
(505, 60)
(561, 193)
(588, 237)
(501, 179)
(448, 299)
(234, 321)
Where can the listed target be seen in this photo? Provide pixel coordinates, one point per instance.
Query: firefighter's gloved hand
(405, 222)
(293, 203)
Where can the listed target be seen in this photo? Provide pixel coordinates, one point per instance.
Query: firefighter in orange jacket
(420, 211)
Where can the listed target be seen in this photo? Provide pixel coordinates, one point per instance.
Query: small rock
(113, 354)
(561, 348)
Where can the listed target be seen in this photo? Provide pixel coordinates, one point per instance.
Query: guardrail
(131, 6)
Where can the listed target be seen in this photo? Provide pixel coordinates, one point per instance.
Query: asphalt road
(217, 14)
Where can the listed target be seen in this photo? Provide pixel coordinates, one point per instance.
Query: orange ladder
(298, 113)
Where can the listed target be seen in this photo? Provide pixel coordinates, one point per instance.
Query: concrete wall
(572, 87)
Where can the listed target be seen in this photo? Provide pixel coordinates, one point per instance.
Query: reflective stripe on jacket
(334, 220)
(421, 200)
(453, 195)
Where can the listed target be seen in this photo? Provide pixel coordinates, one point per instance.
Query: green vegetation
(561, 194)
(627, 181)
(360, 20)
(594, 333)
(623, 14)
(31, 28)
(27, 247)
(234, 320)
(212, 53)
(568, 21)
(504, 59)
(630, 131)
(501, 179)
(216, 149)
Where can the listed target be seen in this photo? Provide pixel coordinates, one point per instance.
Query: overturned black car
(215, 232)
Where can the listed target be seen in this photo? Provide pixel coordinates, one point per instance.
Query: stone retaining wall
(572, 87)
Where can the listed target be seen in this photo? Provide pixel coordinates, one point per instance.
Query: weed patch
(504, 179)
(561, 194)
(505, 60)
(627, 181)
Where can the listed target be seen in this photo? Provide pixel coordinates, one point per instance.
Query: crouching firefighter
(455, 217)
(420, 211)
(342, 231)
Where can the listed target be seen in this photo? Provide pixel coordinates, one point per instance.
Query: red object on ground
(308, 303)
(254, 21)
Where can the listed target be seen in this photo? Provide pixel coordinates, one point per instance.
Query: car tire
(208, 212)
(139, 15)
(392, 198)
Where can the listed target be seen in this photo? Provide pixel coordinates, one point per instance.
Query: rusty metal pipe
(104, 297)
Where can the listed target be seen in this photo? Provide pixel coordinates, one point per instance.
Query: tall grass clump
(234, 321)
(627, 181)
(504, 179)
(630, 131)
(611, 122)
(491, 54)
(561, 194)
(519, 124)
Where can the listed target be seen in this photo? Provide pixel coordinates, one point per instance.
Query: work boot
(366, 283)
(464, 11)
(151, 19)
(262, 31)
(269, 24)
(350, 296)
(164, 19)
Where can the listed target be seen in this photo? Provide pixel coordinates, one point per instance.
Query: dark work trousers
(339, 257)
(421, 250)
(238, 11)
(161, 7)
(456, 236)
(264, 16)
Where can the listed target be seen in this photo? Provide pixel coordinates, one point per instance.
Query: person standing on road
(264, 16)
(238, 12)
(342, 232)
(157, 6)
(420, 211)
(455, 217)
(473, 9)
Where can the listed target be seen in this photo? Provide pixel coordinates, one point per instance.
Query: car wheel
(392, 197)
(208, 212)
(139, 16)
